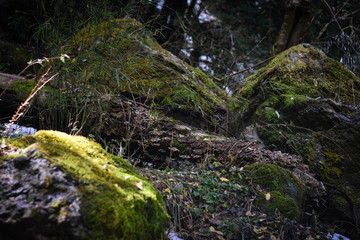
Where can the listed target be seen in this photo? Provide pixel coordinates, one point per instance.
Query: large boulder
(118, 58)
(305, 103)
(58, 186)
(114, 61)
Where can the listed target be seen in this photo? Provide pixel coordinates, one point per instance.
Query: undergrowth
(211, 204)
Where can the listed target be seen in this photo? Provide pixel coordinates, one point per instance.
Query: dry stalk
(24, 107)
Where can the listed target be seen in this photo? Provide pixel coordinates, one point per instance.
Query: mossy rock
(113, 200)
(306, 71)
(305, 103)
(120, 57)
(293, 79)
(287, 195)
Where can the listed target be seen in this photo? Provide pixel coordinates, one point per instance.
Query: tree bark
(296, 21)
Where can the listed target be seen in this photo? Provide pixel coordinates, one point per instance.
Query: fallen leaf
(260, 230)
(167, 190)
(212, 229)
(249, 214)
(267, 196)
(272, 237)
(224, 179)
(139, 185)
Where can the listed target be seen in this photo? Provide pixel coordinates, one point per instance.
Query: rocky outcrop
(118, 59)
(305, 103)
(57, 186)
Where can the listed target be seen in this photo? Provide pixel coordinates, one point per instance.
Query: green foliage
(205, 192)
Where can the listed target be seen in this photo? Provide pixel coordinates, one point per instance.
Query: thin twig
(332, 19)
(246, 69)
(333, 14)
(244, 57)
(22, 109)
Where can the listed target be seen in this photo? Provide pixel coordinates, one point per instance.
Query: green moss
(296, 74)
(271, 136)
(286, 192)
(332, 167)
(114, 208)
(272, 116)
(267, 110)
(278, 203)
(119, 54)
(291, 100)
(22, 88)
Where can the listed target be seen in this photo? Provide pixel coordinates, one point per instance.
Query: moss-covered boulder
(58, 186)
(118, 58)
(306, 103)
(279, 191)
(295, 78)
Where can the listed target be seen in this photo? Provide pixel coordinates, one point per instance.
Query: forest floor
(218, 204)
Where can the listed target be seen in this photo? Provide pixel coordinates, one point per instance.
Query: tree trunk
(296, 22)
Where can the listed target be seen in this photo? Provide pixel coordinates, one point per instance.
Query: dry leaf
(167, 190)
(139, 185)
(267, 196)
(212, 229)
(224, 179)
(249, 214)
(272, 237)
